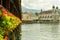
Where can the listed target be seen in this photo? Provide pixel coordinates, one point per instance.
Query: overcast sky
(40, 4)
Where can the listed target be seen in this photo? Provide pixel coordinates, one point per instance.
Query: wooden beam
(19, 4)
(0, 2)
(8, 4)
(11, 8)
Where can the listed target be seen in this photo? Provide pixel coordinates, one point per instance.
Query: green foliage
(6, 22)
(36, 14)
(6, 18)
(1, 37)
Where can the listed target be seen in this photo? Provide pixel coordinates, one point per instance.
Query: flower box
(8, 22)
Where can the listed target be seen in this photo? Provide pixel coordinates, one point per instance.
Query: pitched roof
(49, 11)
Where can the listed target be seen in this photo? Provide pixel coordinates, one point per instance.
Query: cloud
(40, 4)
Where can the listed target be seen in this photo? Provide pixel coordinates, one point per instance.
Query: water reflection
(54, 31)
(41, 31)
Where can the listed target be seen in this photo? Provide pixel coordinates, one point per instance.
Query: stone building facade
(50, 15)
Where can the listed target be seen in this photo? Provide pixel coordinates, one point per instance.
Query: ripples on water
(41, 31)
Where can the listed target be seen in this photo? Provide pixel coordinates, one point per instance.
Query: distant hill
(31, 10)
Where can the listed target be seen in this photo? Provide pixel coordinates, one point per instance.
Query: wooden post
(17, 12)
(18, 29)
(11, 8)
(19, 5)
(8, 4)
(0, 2)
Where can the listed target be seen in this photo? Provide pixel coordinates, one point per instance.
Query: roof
(49, 11)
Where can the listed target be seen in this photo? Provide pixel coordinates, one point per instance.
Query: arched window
(44, 16)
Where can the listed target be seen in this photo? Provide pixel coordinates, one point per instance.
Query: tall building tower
(41, 10)
(53, 9)
(56, 8)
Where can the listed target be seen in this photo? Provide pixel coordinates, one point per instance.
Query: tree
(36, 14)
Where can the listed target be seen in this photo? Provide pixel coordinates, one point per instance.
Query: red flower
(9, 14)
(4, 13)
(6, 38)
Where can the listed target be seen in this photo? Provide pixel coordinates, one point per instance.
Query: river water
(41, 31)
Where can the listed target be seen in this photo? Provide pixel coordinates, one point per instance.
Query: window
(50, 16)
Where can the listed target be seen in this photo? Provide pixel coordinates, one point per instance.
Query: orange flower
(3, 13)
(6, 38)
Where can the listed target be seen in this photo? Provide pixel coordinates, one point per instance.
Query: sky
(40, 4)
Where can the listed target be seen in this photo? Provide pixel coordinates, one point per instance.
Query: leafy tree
(36, 14)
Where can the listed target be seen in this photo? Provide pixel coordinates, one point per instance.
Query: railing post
(1, 2)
